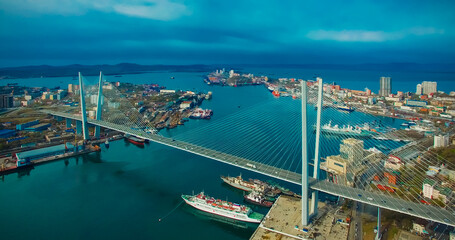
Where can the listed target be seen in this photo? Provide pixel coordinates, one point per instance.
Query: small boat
(257, 199)
(346, 108)
(106, 143)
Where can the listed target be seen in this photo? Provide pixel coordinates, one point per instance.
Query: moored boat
(106, 143)
(135, 140)
(222, 208)
(346, 108)
(257, 199)
(241, 184)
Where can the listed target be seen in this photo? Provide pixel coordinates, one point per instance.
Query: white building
(429, 87)
(419, 89)
(165, 91)
(441, 141)
(231, 73)
(428, 188)
(93, 99)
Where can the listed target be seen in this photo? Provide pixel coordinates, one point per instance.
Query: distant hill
(90, 70)
(131, 68)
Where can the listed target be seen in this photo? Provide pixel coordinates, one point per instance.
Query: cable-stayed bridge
(405, 205)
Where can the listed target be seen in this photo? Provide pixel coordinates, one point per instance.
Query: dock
(283, 221)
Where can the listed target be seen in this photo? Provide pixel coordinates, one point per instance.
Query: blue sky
(60, 32)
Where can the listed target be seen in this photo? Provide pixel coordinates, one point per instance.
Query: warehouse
(24, 158)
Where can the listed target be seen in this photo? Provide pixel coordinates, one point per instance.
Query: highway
(377, 199)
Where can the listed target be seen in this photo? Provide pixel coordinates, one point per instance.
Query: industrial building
(24, 158)
(38, 127)
(22, 126)
(7, 133)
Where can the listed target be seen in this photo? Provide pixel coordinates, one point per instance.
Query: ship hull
(238, 186)
(205, 208)
(262, 204)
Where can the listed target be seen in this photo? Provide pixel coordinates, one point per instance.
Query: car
(383, 201)
(404, 209)
(410, 209)
(446, 220)
(370, 198)
(360, 195)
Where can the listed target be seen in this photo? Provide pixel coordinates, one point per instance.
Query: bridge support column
(378, 234)
(304, 157)
(315, 195)
(68, 123)
(78, 127)
(83, 111)
(99, 106)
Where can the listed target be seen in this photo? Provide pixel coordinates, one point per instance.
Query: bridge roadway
(377, 199)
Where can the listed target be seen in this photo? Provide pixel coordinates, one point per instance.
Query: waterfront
(123, 191)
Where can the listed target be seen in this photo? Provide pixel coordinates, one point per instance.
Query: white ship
(222, 208)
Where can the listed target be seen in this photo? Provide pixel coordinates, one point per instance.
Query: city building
(385, 86)
(94, 99)
(428, 188)
(418, 226)
(416, 103)
(429, 87)
(337, 163)
(6, 101)
(113, 104)
(186, 104)
(441, 141)
(351, 154)
(419, 89)
(166, 91)
(393, 163)
(352, 150)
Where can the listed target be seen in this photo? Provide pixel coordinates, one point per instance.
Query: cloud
(370, 36)
(163, 10)
(153, 9)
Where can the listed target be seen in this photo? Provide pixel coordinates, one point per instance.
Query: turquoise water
(123, 191)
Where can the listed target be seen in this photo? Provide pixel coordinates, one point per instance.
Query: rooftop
(40, 151)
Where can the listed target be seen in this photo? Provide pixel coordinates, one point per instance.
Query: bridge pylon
(317, 162)
(305, 217)
(83, 110)
(99, 106)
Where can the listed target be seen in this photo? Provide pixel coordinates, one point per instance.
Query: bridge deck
(416, 209)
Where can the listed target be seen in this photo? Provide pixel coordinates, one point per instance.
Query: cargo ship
(222, 208)
(346, 130)
(135, 140)
(241, 184)
(257, 199)
(200, 113)
(346, 108)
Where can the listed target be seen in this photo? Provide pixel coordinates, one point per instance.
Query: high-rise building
(385, 86)
(419, 89)
(352, 150)
(6, 101)
(429, 87)
(441, 141)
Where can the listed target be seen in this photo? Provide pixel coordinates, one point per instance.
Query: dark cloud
(164, 31)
